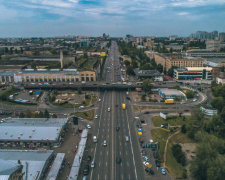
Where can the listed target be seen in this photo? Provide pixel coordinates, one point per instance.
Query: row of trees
(40, 114)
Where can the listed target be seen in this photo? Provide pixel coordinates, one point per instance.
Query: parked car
(117, 128)
(104, 143)
(163, 171)
(88, 158)
(157, 163)
(86, 170)
(89, 126)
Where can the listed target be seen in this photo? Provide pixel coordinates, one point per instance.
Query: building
(222, 36)
(32, 132)
(209, 111)
(10, 170)
(205, 53)
(54, 75)
(176, 60)
(146, 73)
(193, 73)
(220, 80)
(213, 45)
(35, 162)
(171, 93)
(6, 76)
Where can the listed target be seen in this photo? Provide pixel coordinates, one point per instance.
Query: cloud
(183, 13)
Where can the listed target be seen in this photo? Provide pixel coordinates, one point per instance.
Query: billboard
(162, 115)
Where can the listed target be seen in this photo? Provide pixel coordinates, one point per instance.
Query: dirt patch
(189, 149)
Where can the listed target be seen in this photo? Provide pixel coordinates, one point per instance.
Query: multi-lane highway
(113, 126)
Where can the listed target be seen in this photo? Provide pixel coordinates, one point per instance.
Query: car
(86, 170)
(163, 171)
(157, 163)
(151, 171)
(96, 116)
(92, 164)
(104, 143)
(108, 109)
(81, 107)
(194, 100)
(147, 164)
(85, 178)
(151, 140)
(127, 138)
(143, 152)
(117, 128)
(118, 160)
(155, 155)
(146, 158)
(88, 158)
(99, 99)
(117, 105)
(89, 126)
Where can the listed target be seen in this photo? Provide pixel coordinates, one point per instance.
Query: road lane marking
(98, 132)
(135, 168)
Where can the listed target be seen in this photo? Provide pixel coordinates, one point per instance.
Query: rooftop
(27, 129)
(193, 69)
(33, 161)
(167, 91)
(139, 72)
(8, 167)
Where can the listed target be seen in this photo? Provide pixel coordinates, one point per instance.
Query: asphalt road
(130, 167)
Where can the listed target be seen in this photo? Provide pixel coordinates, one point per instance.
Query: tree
(160, 68)
(179, 154)
(79, 90)
(147, 85)
(54, 116)
(127, 63)
(28, 114)
(171, 71)
(190, 94)
(209, 161)
(21, 115)
(218, 103)
(46, 114)
(130, 71)
(183, 128)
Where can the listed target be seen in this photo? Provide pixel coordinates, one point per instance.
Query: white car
(96, 116)
(99, 99)
(108, 109)
(104, 143)
(146, 163)
(194, 100)
(89, 126)
(81, 107)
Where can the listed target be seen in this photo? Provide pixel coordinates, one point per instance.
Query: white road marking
(135, 168)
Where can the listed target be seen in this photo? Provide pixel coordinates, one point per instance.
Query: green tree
(179, 154)
(147, 85)
(127, 63)
(130, 71)
(190, 94)
(21, 115)
(160, 68)
(218, 103)
(79, 90)
(46, 114)
(28, 114)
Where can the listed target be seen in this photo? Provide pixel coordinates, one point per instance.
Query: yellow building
(167, 61)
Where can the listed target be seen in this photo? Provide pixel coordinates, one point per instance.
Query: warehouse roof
(7, 168)
(167, 91)
(33, 161)
(30, 129)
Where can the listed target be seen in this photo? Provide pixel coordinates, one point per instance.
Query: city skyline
(43, 18)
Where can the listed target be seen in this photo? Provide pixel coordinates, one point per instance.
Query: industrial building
(54, 75)
(6, 76)
(146, 73)
(166, 93)
(10, 170)
(35, 163)
(193, 73)
(204, 53)
(32, 132)
(176, 60)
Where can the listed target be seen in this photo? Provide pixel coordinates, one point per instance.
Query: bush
(183, 129)
(179, 154)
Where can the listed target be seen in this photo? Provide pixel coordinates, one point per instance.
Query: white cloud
(195, 3)
(183, 13)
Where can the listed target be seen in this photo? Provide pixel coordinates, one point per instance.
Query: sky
(43, 18)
